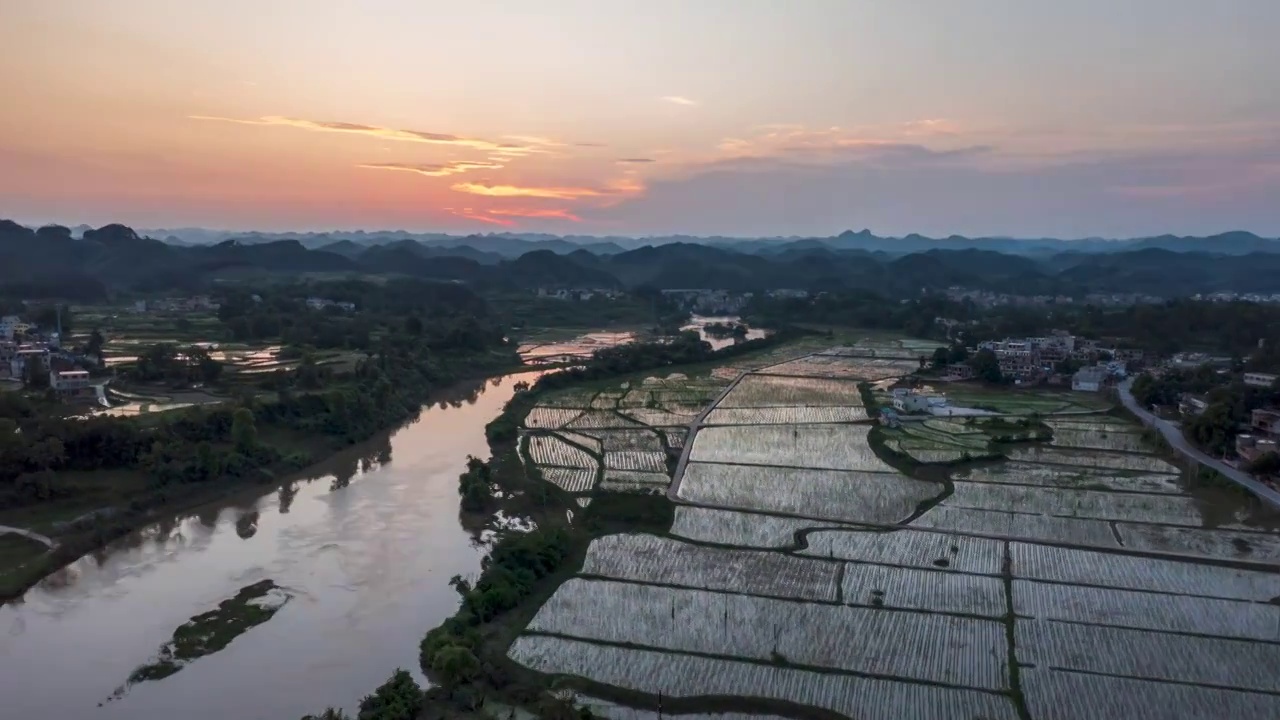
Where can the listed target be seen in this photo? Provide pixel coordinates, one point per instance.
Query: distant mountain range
(515, 244)
(87, 262)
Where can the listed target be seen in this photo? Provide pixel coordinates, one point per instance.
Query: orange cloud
(419, 136)
(543, 214)
(470, 214)
(550, 193)
(453, 167)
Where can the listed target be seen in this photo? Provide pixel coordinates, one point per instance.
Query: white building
(1089, 379)
(1262, 380)
(913, 402)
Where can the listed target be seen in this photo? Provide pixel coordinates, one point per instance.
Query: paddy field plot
(550, 417)
(740, 529)
(675, 436)
(1237, 664)
(1135, 507)
(654, 462)
(652, 417)
(675, 675)
(629, 440)
(1068, 477)
(637, 476)
(931, 591)
(631, 488)
(832, 495)
(784, 415)
(589, 442)
(601, 419)
(1093, 458)
(1095, 423)
(951, 427)
(869, 369)
(605, 401)
(1059, 695)
(967, 652)
(1147, 611)
(1003, 523)
(835, 447)
(663, 561)
(756, 391)
(909, 548)
(551, 450)
(1128, 572)
(971, 441)
(576, 400)
(1099, 440)
(1204, 542)
(574, 480)
(927, 454)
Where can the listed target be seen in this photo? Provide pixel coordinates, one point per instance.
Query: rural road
(1173, 435)
(46, 541)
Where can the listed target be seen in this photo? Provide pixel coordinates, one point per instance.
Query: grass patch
(210, 632)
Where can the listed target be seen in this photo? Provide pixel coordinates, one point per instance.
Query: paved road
(1173, 434)
(46, 541)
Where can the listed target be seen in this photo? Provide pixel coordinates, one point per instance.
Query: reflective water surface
(366, 548)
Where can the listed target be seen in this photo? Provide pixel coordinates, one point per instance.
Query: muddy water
(366, 548)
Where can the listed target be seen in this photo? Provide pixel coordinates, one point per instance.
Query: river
(366, 550)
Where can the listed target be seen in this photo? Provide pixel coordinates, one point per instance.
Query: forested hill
(54, 262)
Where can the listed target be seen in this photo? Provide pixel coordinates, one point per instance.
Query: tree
(35, 375)
(1265, 464)
(986, 366)
(454, 666)
(244, 433)
(94, 346)
(399, 698)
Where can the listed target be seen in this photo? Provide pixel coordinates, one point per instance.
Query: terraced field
(1076, 578)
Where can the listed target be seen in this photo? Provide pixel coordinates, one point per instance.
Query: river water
(366, 548)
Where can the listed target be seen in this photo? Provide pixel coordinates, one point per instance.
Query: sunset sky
(734, 117)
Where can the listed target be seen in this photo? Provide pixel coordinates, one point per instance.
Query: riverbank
(120, 502)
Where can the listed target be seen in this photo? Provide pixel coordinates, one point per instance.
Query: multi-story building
(71, 384)
(1262, 380)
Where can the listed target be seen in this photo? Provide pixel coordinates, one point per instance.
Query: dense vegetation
(1229, 403)
(416, 343)
(1180, 325)
(52, 262)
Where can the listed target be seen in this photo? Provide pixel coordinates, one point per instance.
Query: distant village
(30, 355)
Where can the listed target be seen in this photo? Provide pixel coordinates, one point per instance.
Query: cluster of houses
(987, 299)
(1263, 435)
(1238, 297)
(195, 303)
(1032, 359)
(19, 350)
(710, 302)
(578, 294)
(319, 303)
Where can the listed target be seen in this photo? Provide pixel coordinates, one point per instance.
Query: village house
(72, 384)
(1261, 380)
(1089, 379)
(1193, 404)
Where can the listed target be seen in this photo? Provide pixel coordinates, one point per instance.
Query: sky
(1031, 118)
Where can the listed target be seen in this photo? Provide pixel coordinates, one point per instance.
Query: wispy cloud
(470, 214)
(590, 144)
(627, 161)
(384, 133)
(540, 214)
(453, 167)
(551, 193)
(678, 100)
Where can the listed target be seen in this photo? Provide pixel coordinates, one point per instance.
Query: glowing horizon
(1067, 120)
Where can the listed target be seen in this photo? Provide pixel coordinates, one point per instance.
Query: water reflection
(364, 545)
